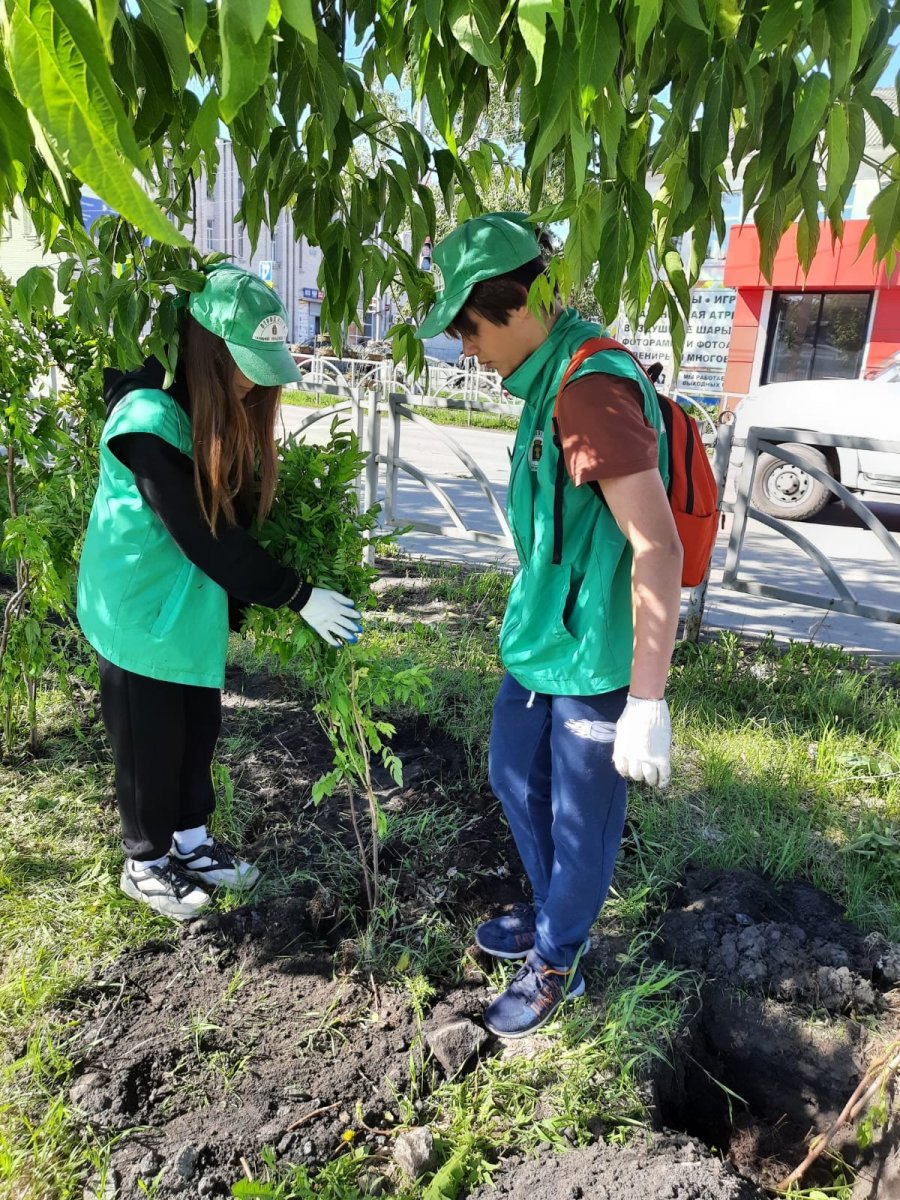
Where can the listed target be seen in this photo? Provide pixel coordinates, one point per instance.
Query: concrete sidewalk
(767, 556)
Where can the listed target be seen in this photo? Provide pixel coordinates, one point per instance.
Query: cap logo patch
(271, 329)
(438, 276)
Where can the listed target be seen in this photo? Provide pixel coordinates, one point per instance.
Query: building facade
(838, 320)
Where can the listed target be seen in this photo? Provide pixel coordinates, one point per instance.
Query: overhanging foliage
(129, 99)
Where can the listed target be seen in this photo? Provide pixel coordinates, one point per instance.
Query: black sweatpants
(163, 736)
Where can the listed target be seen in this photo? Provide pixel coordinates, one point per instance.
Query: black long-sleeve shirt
(233, 558)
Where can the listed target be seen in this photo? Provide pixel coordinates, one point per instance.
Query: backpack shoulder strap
(585, 351)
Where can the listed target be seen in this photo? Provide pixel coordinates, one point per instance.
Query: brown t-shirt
(602, 429)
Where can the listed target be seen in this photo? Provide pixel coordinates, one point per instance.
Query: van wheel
(782, 490)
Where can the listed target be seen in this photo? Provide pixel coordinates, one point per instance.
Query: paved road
(768, 557)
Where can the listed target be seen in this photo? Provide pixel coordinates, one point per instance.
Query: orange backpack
(692, 490)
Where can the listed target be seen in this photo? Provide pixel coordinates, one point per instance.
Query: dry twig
(316, 1112)
(876, 1078)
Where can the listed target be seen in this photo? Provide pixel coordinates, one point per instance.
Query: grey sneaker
(214, 863)
(164, 888)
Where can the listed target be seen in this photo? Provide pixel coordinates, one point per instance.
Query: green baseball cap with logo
(480, 248)
(247, 314)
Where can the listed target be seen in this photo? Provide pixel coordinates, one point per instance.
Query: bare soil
(259, 1028)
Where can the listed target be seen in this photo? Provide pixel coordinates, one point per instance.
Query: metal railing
(372, 410)
(766, 440)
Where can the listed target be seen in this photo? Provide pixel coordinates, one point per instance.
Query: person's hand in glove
(332, 616)
(643, 744)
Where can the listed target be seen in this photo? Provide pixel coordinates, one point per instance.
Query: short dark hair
(495, 298)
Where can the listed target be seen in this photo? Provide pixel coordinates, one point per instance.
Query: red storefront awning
(835, 265)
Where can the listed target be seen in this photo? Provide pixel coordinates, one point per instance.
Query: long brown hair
(234, 439)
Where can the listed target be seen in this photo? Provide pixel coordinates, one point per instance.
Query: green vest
(568, 626)
(141, 603)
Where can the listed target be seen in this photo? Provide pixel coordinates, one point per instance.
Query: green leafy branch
(316, 527)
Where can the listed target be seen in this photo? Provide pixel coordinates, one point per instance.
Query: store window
(816, 335)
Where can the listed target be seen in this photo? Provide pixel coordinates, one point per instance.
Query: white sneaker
(165, 888)
(213, 862)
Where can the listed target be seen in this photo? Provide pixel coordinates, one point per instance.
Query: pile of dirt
(659, 1167)
(789, 944)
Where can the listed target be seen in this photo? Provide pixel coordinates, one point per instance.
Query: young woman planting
(167, 565)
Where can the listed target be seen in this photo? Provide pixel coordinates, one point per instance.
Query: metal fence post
(693, 618)
(372, 448)
(390, 466)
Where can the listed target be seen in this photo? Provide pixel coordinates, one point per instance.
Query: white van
(857, 407)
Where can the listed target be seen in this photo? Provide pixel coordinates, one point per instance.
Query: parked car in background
(856, 407)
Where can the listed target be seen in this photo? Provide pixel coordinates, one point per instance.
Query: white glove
(332, 616)
(643, 744)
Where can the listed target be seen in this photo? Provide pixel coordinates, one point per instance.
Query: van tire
(782, 490)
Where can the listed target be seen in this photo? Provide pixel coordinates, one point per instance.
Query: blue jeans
(551, 768)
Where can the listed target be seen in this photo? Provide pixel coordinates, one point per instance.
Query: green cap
(480, 248)
(239, 308)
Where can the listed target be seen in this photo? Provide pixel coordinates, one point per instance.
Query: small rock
(85, 1092)
(414, 1151)
(206, 1186)
(202, 925)
(344, 1117)
(105, 1188)
(307, 1149)
(186, 1160)
(453, 1043)
(285, 1144)
(743, 919)
(150, 1164)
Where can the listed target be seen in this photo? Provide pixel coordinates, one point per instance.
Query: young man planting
(592, 614)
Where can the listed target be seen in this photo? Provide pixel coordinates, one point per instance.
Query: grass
(473, 418)
(787, 760)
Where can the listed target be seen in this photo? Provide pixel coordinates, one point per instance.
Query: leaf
(245, 1189)
(599, 48)
(837, 135)
(675, 271)
(299, 15)
(34, 292)
(884, 221)
(777, 26)
(617, 242)
(449, 1179)
(165, 20)
(107, 15)
(60, 72)
(728, 18)
(649, 13)
(583, 242)
(689, 11)
(716, 120)
(15, 137)
(531, 16)
(196, 14)
(812, 104)
(473, 27)
(770, 222)
(246, 54)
